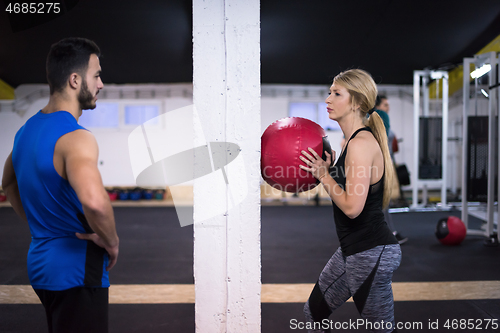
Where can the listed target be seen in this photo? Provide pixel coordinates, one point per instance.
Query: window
(314, 111)
(120, 114)
(139, 114)
(304, 110)
(105, 115)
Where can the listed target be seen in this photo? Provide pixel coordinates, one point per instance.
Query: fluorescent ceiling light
(436, 75)
(485, 93)
(480, 71)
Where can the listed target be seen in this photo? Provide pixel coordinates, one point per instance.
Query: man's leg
(76, 310)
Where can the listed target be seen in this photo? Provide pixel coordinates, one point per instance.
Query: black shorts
(76, 310)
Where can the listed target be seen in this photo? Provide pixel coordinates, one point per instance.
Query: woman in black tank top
(359, 186)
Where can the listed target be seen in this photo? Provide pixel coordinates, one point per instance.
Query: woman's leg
(370, 277)
(330, 292)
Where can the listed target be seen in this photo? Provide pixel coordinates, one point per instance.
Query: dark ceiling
(302, 41)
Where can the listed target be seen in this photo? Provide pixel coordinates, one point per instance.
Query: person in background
(52, 181)
(382, 107)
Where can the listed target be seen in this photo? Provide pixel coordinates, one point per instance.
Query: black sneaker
(401, 239)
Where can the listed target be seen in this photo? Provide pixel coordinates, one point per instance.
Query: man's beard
(85, 98)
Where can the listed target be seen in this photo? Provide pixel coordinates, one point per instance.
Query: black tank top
(369, 228)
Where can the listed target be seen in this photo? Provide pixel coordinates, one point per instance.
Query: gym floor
(436, 286)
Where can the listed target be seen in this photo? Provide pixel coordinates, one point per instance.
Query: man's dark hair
(70, 55)
(379, 99)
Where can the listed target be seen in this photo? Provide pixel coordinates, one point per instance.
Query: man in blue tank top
(52, 181)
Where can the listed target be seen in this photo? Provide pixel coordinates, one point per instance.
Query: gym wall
(114, 161)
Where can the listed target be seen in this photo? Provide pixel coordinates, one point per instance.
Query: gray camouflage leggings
(367, 277)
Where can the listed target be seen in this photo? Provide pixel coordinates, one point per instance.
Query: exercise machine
(481, 174)
(429, 157)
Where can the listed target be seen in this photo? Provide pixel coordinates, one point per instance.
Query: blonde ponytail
(363, 90)
(378, 129)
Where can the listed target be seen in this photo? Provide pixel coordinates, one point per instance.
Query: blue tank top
(369, 228)
(57, 259)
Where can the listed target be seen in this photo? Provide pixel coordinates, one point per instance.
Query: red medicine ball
(282, 143)
(451, 230)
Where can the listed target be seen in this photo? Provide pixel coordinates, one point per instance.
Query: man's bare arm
(11, 188)
(80, 154)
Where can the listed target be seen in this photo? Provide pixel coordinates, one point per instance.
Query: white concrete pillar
(226, 94)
